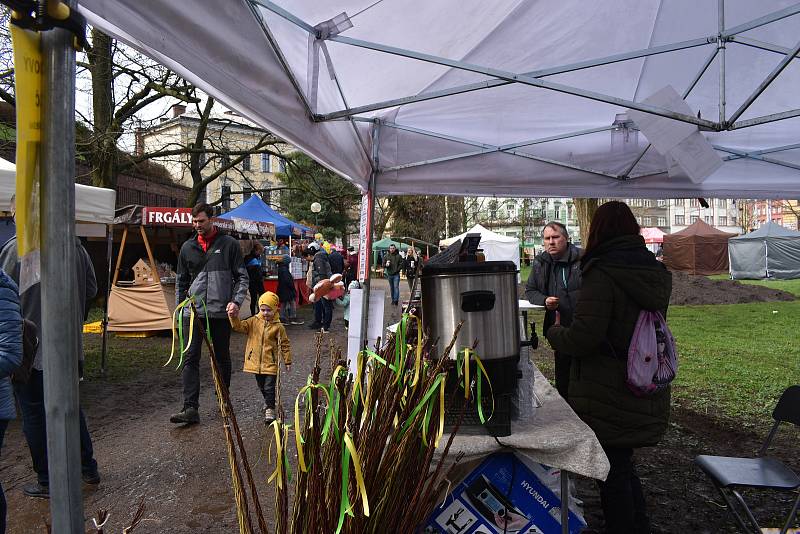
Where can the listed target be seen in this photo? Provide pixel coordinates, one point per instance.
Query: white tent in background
(506, 98)
(94, 206)
(495, 247)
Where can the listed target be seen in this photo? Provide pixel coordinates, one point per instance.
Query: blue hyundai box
(501, 495)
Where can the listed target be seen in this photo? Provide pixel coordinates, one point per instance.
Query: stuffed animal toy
(330, 288)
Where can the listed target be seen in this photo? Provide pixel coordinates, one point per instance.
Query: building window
(225, 160)
(247, 192)
(647, 203)
(721, 202)
(733, 221)
(639, 220)
(266, 196)
(662, 221)
(709, 219)
(246, 163)
(680, 201)
(661, 202)
(281, 165)
(723, 221)
(693, 202)
(265, 163)
(693, 219)
(648, 221)
(201, 159)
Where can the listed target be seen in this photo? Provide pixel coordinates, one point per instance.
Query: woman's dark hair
(612, 219)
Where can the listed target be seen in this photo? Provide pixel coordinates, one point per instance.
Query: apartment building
(226, 132)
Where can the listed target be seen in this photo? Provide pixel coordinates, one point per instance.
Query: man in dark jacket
(320, 270)
(211, 267)
(392, 265)
(31, 394)
(554, 283)
(336, 260)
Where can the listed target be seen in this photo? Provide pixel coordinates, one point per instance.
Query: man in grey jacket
(31, 394)
(211, 268)
(554, 283)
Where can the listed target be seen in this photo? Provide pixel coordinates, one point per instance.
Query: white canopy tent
(496, 247)
(507, 97)
(94, 206)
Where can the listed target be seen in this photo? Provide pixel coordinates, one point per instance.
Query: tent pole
(367, 247)
(109, 251)
(721, 49)
(58, 254)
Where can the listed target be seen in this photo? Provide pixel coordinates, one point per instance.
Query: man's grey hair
(558, 227)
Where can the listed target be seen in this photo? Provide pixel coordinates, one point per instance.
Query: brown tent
(697, 249)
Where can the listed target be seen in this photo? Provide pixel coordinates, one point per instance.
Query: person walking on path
(320, 270)
(620, 278)
(266, 341)
(287, 293)
(392, 265)
(554, 283)
(30, 395)
(256, 278)
(410, 266)
(10, 359)
(210, 267)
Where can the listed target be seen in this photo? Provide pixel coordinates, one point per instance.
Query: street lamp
(316, 207)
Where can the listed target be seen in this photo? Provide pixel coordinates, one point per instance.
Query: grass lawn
(736, 359)
(524, 272)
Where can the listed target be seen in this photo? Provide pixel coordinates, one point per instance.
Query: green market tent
(386, 242)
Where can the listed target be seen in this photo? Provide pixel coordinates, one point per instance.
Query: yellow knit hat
(269, 299)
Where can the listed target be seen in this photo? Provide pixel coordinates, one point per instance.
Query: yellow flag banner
(28, 88)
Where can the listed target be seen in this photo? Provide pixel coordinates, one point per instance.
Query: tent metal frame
(534, 79)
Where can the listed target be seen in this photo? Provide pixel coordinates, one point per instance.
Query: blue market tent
(256, 209)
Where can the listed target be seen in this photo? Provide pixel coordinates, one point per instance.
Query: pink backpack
(652, 355)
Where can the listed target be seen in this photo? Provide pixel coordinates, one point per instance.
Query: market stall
(697, 249)
(493, 100)
(653, 238)
(772, 251)
(146, 302)
(495, 247)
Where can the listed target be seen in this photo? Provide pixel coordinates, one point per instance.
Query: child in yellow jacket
(266, 338)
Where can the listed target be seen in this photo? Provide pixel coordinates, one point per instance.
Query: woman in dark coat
(287, 294)
(620, 277)
(252, 263)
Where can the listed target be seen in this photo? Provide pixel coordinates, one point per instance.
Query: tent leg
(104, 349)
(58, 274)
(367, 247)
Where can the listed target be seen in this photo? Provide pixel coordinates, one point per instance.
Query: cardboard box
(501, 495)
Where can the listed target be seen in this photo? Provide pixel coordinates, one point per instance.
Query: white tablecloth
(554, 436)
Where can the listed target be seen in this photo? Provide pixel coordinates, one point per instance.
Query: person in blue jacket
(10, 358)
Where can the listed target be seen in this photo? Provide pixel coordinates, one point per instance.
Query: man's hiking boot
(91, 478)
(296, 321)
(269, 415)
(34, 489)
(187, 416)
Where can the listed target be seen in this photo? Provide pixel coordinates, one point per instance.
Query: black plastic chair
(728, 473)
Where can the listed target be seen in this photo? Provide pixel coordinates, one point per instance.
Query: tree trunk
(103, 146)
(585, 208)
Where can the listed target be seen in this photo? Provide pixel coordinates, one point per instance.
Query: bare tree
(585, 209)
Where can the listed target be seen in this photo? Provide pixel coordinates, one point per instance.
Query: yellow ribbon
(298, 437)
(348, 441)
(440, 432)
(276, 425)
